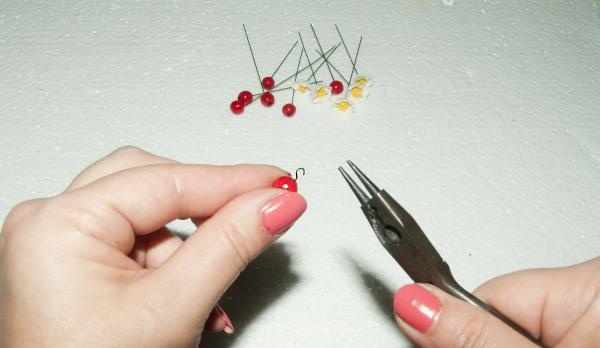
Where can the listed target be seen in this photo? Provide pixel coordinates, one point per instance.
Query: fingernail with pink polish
(282, 211)
(228, 324)
(416, 306)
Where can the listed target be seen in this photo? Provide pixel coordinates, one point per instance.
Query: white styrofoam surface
(483, 122)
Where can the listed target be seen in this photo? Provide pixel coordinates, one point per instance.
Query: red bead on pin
(267, 99)
(245, 97)
(237, 107)
(268, 82)
(288, 110)
(287, 182)
(337, 87)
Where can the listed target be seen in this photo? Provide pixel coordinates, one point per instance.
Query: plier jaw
(398, 232)
(406, 242)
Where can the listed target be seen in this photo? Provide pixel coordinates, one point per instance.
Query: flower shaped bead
(321, 93)
(343, 105)
(302, 87)
(362, 81)
(356, 92)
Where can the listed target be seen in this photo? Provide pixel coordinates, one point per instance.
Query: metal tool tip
(358, 192)
(369, 185)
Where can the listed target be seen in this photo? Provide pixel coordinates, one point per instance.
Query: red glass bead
(237, 107)
(245, 97)
(289, 109)
(267, 99)
(337, 87)
(286, 183)
(268, 82)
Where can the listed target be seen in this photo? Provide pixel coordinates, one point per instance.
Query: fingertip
(416, 306)
(433, 318)
(218, 321)
(228, 329)
(282, 211)
(213, 322)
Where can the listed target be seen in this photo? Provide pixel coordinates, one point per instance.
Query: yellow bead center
(303, 89)
(343, 105)
(356, 92)
(321, 92)
(362, 81)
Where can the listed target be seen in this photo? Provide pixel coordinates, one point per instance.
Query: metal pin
(253, 59)
(346, 48)
(327, 53)
(308, 59)
(284, 58)
(336, 70)
(321, 49)
(355, 59)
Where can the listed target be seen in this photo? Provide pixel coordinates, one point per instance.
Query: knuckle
(129, 151)
(474, 332)
(20, 212)
(236, 244)
(91, 220)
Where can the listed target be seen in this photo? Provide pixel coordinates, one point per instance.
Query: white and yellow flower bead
(302, 88)
(362, 81)
(343, 105)
(357, 92)
(321, 93)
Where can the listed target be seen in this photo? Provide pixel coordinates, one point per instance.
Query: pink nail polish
(282, 211)
(228, 324)
(416, 306)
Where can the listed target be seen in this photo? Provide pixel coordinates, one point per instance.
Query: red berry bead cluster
(341, 88)
(244, 98)
(267, 84)
(266, 98)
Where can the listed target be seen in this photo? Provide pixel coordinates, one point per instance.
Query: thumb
(198, 273)
(432, 318)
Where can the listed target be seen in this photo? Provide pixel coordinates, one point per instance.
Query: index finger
(122, 158)
(141, 200)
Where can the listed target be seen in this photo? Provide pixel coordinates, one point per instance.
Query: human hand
(561, 306)
(95, 266)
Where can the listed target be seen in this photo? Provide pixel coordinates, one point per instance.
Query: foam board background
(483, 122)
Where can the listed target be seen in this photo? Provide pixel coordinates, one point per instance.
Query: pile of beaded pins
(342, 94)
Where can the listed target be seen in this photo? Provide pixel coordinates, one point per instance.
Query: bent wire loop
(402, 237)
